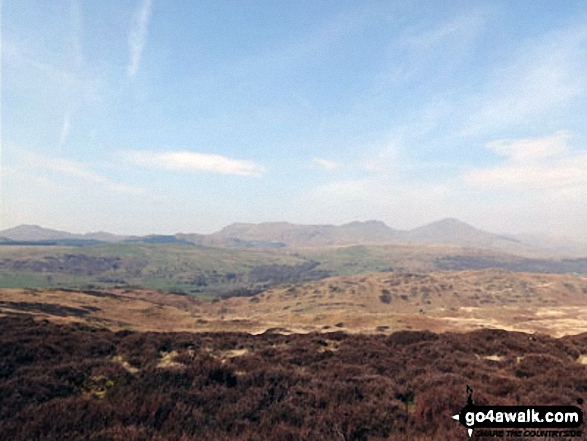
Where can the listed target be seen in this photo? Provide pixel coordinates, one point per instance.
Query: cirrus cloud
(195, 162)
(138, 37)
(67, 167)
(326, 164)
(532, 163)
(532, 148)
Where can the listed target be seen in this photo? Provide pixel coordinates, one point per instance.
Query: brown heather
(76, 382)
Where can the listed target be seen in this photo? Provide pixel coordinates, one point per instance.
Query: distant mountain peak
(356, 232)
(29, 227)
(448, 224)
(450, 221)
(453, 231)
(369, 223)
(35, 233)
(28, 232)
(448, 231)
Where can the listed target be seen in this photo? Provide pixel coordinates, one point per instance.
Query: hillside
(169, 266)
(456, 301)
(160, 266)
(36, 233)
(369, 232)
(79, 383)
(446, 232)
(454, 232)
(375, 303)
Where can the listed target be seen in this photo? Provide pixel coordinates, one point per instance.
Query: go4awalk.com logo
(520, 421)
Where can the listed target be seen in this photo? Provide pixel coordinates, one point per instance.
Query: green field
(171, 268)
(209, 272)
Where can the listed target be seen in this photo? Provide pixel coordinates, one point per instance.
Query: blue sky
(141, 116)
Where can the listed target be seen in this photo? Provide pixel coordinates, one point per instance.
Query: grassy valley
(189, 269)
(209, 272)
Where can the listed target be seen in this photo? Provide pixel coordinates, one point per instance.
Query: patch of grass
(23, 280)
(188, 269)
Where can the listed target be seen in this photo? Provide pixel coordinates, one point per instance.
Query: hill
(454, 232)
(296, 235)
(35, 233)
(375, 303)
(31, 233)
(168, 265)
(446, 232)
(160, 265)
(453, 301)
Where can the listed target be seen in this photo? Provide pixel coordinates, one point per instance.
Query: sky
(152, 116)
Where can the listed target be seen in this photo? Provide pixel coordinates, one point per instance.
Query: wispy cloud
(195, 162)
(383, 158)
(65, 127)
(463, 27)
(326, 164)
(350, 189)
(302, 52)
(41, 76)
(415, 53)
(79, 170)
(532, 148)
(138, 37)
(541, 77)
(540, 163)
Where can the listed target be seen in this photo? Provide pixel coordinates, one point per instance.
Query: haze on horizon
(145, 116)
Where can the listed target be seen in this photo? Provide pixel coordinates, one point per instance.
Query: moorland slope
(374, 303)
(82, 383)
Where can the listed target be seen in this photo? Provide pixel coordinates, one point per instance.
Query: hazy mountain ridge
(449, 231)
(310, 235)
(36, 233)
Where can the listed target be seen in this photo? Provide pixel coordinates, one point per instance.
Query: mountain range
(450, 231)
